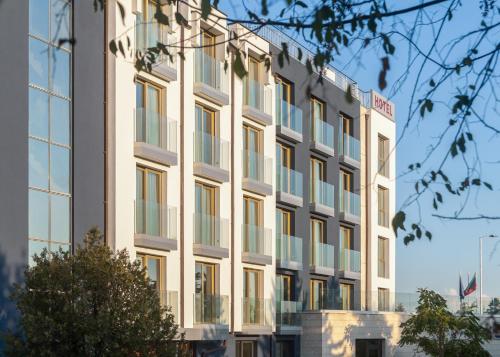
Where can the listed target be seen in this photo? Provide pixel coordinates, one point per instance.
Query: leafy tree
(92, 303)
(493, 307)
(400, 308)
(436, 331)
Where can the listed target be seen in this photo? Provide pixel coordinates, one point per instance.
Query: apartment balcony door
(284, 231)
(317, 237)
(205, 293)
(253, 165)
(317, 174)
(284, 165)
(148, 113)
(206, 225)
(148, 207)
(346, 296)
(283, 101)
(345, 131)
(252, 296)
(317, 290)
(153, 265)
(284, 287)
(253, 83)
(252, 220)
(207, 139)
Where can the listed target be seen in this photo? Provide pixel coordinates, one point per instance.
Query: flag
(471, 287)
(460, 287)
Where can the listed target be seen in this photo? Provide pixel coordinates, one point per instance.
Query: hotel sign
(383, 105)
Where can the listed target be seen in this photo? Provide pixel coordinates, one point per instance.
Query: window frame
(321, 284)
(383, 259)
(144, 258)
(383, 155)
(383, 206)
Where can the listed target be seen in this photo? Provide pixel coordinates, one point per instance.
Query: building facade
(251, 202)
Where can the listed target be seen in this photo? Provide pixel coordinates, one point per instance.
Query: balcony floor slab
(257, 115)
(154, 242)
(155, 154)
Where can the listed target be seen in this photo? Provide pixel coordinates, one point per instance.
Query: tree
(92, 303)
(493, 307)
(451, 66)
(434, 330)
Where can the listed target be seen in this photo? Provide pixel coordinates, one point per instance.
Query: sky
(454, 248)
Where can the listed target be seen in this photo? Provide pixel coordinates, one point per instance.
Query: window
(206, 225)
(252, 211)
(317, 228)
(148, 201)
(346, 238)
(346, 296)
(383, 257)
(49, 142)
(252, 147)
(207, 42)
(148, 113)
(150, 36)
(206, 142)
(383, 299)
(346, 127)
(284, 348)
(283, 155)
(283, 101)
(317, 110)
(253, 304)
(383, 155)
(317, 174)
(383, 206)
(318, 294)
(205, 293)
(345, 181)
(284, 287)
(252, 219)
(246, 348)
(283, 222)
(154, 269)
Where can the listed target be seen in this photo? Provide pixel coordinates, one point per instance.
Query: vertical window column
(49, 125)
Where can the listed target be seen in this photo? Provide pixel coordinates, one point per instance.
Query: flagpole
(481, 270)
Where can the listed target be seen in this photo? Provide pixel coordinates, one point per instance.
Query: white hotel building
(260, 207)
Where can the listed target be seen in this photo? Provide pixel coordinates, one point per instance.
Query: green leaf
(120, 47)
(488, 185)
(428, 235)
(398, 222)
(301, 4)
(432, 83)
(238, 66)
(205, 9)
(112, 47)
(121, 8)
(439, 197)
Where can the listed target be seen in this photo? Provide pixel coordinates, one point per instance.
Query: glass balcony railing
(257, 95)
(256, 311)
(170, 299)
(211, 150)
(289, 116)
(289, 181)
(350, 260)
(288, 248)
(154, 129)
(211, 309)
(323, 133)
(150, 35)
(322, 300)
(257, 167)
(349, 146)
(211, 231)
(288, 313)
(322, 193)
(256, 240)
(322, 255)
(350, 203)
(210, 71)
(154, 219)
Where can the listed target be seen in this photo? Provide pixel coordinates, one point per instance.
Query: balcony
(211, 309)
(322, 198)
(155, 137)
(256, 245)
(211, 236)
(289, 186)
(322, 258)
(153, 36)
(326, 300)
(170, 299)
(257, 315)
(210, 78)
(349, 207)
(349, 264)
(155, 225)
(257, 102)
(322, 138)
(211, 157)
(288, 252)
(288, 317)
(289, 119)
(349, 151)
(257, 173)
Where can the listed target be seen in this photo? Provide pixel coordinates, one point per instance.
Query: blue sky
(454, 247)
